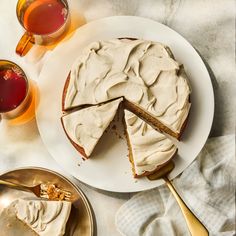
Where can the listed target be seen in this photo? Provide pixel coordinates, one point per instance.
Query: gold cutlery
(48, 191)
(195, 227)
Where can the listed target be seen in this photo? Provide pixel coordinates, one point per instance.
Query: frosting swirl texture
(44, 217)
(85, 127)
(143, 72)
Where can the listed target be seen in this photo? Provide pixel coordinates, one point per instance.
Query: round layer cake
(153, 85)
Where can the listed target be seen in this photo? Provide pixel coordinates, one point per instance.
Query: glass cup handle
(25, 44)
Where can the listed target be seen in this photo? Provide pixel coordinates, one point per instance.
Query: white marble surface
(208, 25)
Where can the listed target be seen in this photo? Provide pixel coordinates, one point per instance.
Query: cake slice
(31, 217)
(85, 127)
(149, 150)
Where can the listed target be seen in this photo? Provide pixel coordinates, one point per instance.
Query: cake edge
(77, 147)
(154, 122)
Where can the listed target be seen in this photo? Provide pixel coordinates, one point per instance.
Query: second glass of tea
(45, 22)
(15, 90)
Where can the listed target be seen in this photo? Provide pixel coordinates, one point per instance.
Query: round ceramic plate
(80, 221)
(109, 168)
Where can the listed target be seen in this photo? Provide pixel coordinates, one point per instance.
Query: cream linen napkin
(208, 188)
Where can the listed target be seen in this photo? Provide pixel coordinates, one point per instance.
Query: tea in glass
(45, 21)
(15, 94)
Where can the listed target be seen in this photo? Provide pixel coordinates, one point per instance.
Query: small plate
(82, 221)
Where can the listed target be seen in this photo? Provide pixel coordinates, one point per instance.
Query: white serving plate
(109, 168)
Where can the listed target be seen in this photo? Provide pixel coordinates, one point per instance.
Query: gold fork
(47, 191)
(195, 227)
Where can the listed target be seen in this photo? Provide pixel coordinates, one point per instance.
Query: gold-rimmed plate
(81, 218)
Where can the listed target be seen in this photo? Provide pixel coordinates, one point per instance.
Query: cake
(85, 127)
(31, 217)
(154, 85)
(149, 149)
(155, 94)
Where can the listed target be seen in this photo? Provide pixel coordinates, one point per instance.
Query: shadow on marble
(217, 124)
(15, 134)
(85, 187)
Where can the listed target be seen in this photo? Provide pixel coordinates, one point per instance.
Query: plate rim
(77, 188)
(203, 66)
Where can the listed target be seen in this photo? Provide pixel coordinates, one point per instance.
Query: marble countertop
(208, 25)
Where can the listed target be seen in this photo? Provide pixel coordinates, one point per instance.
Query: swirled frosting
(150, 148)
(44, 217)
(86, 126)
(143, 72)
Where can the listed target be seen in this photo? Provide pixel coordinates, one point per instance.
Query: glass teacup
(15, 90)
(45, 22)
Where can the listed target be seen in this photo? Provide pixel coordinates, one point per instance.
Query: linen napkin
(208, 188)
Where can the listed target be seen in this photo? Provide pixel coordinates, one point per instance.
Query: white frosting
(143, 72)
(149, 147)
(86, 126)
(44, 217)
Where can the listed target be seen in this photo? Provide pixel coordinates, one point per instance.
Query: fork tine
(57, 193)
(67, 193)
(43, 192)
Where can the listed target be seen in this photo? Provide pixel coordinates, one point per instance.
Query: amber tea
(44, 16)
(15, 92)
(45, 22)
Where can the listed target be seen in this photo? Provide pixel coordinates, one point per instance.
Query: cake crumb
(113, 127)
(9, 225)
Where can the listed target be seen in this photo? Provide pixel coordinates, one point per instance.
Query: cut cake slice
(149, 150)
(85, 127)
(33, 217)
